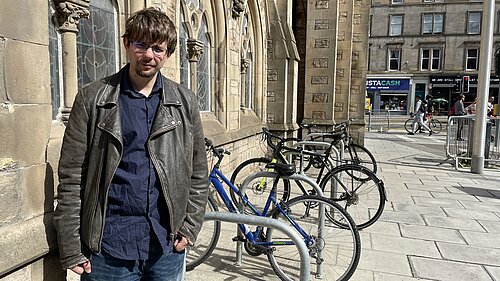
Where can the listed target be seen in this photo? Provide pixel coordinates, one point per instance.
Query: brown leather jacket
(91, 152)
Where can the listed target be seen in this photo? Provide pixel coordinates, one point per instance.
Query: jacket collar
(111, 91)
(109, 99)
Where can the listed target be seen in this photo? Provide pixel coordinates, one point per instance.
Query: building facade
(251, 63)
(420, 47)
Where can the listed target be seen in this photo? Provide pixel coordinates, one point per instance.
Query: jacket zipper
(103, 220)
(163, 181)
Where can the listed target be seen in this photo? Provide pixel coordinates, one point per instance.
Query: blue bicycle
(334, 249)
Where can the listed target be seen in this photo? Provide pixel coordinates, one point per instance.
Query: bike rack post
(310, 181)
(305, 264)
(336, 152)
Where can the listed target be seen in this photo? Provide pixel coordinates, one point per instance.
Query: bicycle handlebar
(218, 152)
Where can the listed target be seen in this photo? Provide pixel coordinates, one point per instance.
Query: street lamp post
(477, 160)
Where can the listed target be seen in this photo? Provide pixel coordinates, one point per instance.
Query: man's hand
(180, 243)
(83, 267)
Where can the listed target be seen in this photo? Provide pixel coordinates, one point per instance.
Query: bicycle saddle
(282, 169)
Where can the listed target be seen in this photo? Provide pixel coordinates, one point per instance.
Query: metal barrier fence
(379, 120)
(460, 136)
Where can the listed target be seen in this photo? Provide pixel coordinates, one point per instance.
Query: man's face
(145, 59)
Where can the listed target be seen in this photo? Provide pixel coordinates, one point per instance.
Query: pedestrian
(133, 181)
(418, 117)
(460, 111)
(491, 106)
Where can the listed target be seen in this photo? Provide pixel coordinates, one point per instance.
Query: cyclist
(420, 110)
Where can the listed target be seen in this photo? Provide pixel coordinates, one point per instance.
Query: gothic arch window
(247, 64)
(97, 43)
(184, 62)
(203, 69)
(196, 50)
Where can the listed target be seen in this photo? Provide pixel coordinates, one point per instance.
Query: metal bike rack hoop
(305, 264)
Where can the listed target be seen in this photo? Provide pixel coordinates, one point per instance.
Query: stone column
(195, 49)
(68, 14)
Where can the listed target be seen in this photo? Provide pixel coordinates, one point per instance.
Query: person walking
(460, 111)
(418, 117)
(133, 175)
(491, 106)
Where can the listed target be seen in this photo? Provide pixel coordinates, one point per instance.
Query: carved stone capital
(68, 14)
(195, 49)
(245, 64)
(238, 7)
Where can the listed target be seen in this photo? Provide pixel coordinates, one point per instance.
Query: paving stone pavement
(438, 223)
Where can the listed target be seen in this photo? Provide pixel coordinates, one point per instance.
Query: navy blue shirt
(136, 226)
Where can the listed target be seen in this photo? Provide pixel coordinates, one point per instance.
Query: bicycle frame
(217, 178)
(327, 164)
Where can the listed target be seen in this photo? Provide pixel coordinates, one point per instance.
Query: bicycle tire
(366, 202)
(361, 156)
(340, 247)
(409, 125)
(257, 192)
(206, 241)
(435, 126)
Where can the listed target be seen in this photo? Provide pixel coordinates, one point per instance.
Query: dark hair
(429, 97)
(151, 25)
(461, 96)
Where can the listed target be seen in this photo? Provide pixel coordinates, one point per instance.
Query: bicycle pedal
(239, 239)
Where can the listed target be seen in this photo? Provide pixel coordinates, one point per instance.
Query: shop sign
(446, 82)
(388, 84)
(454, 81)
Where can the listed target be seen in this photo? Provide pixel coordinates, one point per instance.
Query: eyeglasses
(143, 47)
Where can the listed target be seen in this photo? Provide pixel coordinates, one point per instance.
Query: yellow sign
(367, 104)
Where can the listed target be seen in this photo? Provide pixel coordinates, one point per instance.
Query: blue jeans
(168, 267)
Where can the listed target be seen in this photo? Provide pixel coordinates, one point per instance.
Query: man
(133, 170)
(428, 107)
(418, 119)
(491, 106)
(459, 111)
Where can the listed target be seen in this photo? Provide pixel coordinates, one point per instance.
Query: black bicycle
(357, 189)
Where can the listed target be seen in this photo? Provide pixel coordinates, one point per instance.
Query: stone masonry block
(48, 269)
(26, 241)
(26, 144)
(36, 191)
(27, 73)
(9, 198)
(33, 30)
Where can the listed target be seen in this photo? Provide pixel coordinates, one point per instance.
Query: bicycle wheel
(359, 155)
(258, 190)
(435, 126)
(206, 241)
(335, 249)
(409, 125)
(358, 191)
